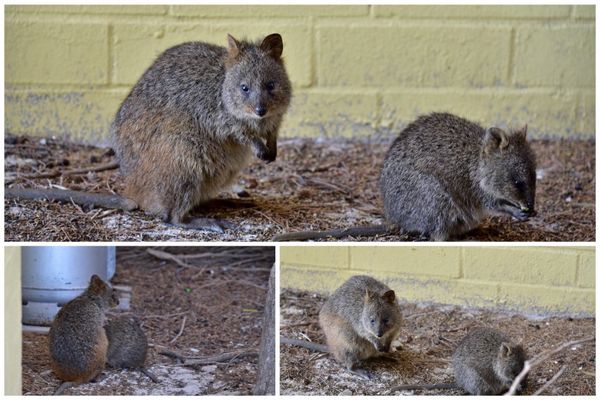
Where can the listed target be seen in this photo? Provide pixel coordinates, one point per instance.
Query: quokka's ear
(97, 285)
(273, 45)
(505, 349)
(233, 51)
(522, 132)
(389, 296)
(494, 139)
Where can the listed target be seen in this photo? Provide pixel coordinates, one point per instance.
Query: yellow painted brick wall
(530, 280)
(356, 69)
(12, 321)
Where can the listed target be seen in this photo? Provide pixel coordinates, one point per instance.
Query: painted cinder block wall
(356, 69)
(538, 281)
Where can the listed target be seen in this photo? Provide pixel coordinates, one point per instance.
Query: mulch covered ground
(427, 340)
(315, 184)
(221, 298)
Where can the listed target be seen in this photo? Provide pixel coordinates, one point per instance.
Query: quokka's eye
(520, 185)
(372, 322)
(270, 86)
(244, 88)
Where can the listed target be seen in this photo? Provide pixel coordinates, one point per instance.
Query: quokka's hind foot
(63, 386)
(361, 373)
(206, 224)
(149, 374)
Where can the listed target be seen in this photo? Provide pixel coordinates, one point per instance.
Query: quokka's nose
(260, 111)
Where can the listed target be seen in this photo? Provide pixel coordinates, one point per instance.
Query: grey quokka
(487, 362)
(444, 174)
(127, 345)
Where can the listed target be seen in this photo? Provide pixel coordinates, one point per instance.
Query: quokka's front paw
(267, 155)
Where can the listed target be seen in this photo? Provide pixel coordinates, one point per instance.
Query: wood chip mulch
(315, 184)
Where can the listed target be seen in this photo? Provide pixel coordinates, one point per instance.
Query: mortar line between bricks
(511, 57)
(577, 270)
(578, 105)
(371, 13)
(461, 261)
(109, 67)
(313, 54)
(349, 258)
(378, 110)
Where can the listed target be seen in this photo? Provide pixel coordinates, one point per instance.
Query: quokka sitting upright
(360, 320)
(444, 174)
(78, 342)
(192, 121)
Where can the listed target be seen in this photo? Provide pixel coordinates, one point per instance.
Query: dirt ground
(315, 184)
(222, 302)
(427, 340)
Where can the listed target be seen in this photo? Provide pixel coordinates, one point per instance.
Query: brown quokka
(487, 362)
(360, 320)
(127, 345)
(78, 342)
(444, 174)
(192, 121)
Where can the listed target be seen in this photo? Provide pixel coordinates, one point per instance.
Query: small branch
(539, 359)
(551, 381)
(225, 357)
(180, 330)
(163, 255)
(165, 316)
(77, 171)
(68, 196)
(295, 325)
(172, 354)
(179, 260)
(219, 358)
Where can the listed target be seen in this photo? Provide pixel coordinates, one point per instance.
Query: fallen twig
(538, 359)
(77, 171)
(234, 265)
(72, 196)
(219, 358)
(551, 381)
(163, 255)
(180, 330)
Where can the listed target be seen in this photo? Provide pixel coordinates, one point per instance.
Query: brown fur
(78, 342)
(187, 128)
(360, 320)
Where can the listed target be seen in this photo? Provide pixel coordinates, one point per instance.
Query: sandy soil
(428, 338)
(315, 184)
(222, 303)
